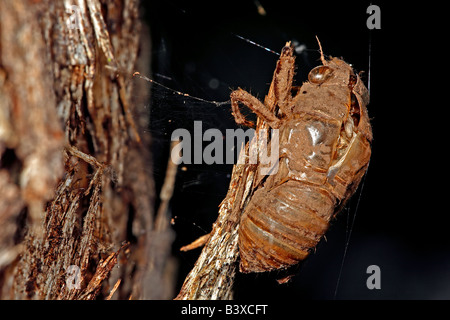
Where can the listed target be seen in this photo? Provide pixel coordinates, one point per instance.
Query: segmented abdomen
(280, 226)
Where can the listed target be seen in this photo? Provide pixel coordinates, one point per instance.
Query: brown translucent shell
(320, 74)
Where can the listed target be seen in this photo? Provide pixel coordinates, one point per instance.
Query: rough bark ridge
(75, 175)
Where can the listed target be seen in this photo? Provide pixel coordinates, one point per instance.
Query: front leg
(242, 96)
(280, 94)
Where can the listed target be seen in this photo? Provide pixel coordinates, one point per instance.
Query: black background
(401, 222)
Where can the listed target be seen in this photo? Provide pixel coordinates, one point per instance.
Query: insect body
(324, 150)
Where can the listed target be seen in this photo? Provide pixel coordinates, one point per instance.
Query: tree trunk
(75, 174)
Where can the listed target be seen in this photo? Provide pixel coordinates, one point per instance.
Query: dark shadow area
(397, 225)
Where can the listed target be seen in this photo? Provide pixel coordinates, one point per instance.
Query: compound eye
(320, 74)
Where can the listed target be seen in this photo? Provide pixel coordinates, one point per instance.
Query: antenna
(217, 103)
(322, 58)
(256, 44)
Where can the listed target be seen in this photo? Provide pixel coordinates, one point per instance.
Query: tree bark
(76, 187)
